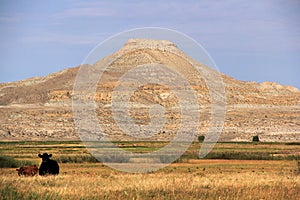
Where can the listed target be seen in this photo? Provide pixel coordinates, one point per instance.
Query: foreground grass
(205, 179)
(250, 171)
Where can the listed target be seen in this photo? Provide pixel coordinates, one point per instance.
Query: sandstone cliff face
(41, 107)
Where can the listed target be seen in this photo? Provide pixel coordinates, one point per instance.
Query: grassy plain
(250, 171)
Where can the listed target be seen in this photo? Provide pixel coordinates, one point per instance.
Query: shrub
(168, 158)
(255, 138)
(11, 162)
(201, 138)
(230, 155)
(77, 159)
(113, 158)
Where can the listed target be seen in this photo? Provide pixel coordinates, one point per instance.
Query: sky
(256, 40)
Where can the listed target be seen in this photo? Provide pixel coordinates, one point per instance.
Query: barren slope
(40, 108)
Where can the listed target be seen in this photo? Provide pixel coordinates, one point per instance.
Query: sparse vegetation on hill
(201, 138)
(40, 108)
(255, 138)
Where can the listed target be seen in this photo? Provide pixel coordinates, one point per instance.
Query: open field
(248, 176)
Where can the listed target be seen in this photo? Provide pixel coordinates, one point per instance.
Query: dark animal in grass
(27, 170)
(48, 166)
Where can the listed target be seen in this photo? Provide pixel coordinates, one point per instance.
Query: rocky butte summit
(40, 108)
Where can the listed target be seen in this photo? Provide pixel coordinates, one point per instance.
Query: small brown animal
(27, 170)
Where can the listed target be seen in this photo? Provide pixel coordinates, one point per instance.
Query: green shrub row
(90, 159)
(76, 159)
(249, 156)
(11, 162)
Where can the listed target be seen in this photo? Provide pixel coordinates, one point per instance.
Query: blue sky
(256, 40)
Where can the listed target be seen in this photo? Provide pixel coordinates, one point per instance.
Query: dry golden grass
(196, 179)
(188, 179)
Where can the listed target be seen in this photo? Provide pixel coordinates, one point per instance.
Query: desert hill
(41, 107)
